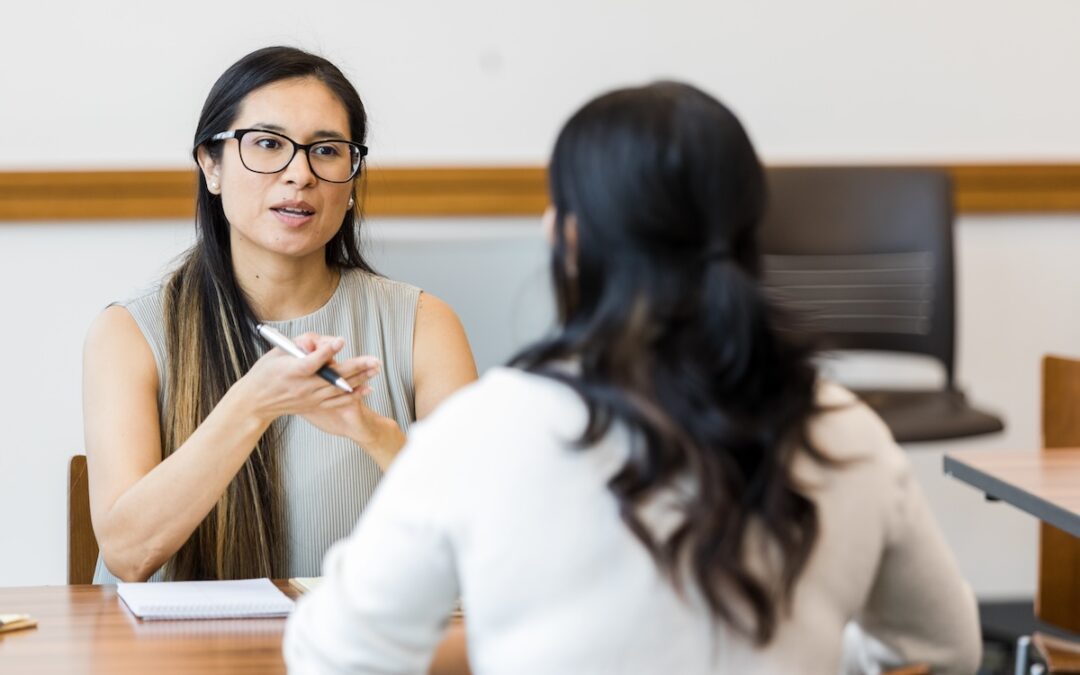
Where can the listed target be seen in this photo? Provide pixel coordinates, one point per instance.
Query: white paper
(245, 598)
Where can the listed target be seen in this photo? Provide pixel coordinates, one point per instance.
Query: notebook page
(245, 598)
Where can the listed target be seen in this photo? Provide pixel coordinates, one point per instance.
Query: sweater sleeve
(920, 605)
(388, 590)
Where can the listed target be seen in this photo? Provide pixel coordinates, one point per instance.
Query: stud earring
(352, 202)
(213, 185)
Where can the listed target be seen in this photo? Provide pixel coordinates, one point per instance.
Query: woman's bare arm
(442, 359)
(143, 508)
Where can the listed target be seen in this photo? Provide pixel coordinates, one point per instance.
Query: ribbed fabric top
(327, 479)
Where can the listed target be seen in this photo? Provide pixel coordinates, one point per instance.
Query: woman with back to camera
(665, 486)
(212, 456)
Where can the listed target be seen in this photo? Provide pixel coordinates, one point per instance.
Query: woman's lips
(292, 216)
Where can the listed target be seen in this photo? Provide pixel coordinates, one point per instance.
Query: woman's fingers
(311, 390)
(368, 366)
(322, 354)
(345, 400)
(308, 341)
(347, 368)
(359, 381)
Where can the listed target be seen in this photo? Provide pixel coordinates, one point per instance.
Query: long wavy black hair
(210, 339)
(658, 194)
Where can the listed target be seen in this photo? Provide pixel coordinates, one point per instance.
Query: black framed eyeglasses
(265, 151)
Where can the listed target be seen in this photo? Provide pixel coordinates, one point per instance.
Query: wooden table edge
(954, 466)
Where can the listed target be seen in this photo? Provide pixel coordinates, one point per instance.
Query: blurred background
(118, 85)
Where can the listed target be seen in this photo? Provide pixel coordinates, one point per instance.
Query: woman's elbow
(970, 656)
(965, 659)
(129, 565)
(962, 649)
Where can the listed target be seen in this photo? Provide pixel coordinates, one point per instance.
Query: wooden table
(87, 629)
(1044, 484)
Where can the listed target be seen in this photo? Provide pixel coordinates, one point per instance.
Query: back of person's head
(657, 195)
(209, 330)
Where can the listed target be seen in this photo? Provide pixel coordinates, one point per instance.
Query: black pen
(274, 337)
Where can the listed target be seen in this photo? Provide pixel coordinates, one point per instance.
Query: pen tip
(343, 384)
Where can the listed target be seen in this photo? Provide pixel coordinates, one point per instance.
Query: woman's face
(291, 213)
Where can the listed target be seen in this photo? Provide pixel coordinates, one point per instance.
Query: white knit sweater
(491, 501)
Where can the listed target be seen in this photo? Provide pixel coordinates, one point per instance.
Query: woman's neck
(283, 288)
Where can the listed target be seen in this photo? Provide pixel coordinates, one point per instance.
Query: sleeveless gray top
(327, 479)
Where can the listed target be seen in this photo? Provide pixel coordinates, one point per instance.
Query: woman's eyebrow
(320, 133)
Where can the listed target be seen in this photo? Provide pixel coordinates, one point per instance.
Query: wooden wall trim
(457, 191)
(1016, 188)
(149, 195)
(91, 195)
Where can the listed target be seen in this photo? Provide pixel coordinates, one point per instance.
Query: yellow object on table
(9, 622)
(304, 584)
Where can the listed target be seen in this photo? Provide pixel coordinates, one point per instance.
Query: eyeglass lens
(267, 152)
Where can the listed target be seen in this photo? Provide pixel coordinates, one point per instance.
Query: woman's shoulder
(859, 448)
(138, 321)
(147, 307)
(844, 427)
(116, 341)
(371, 286)
(507, 407)
(513, 395)
(145, 300)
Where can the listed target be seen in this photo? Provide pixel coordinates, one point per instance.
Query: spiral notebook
(242, 599)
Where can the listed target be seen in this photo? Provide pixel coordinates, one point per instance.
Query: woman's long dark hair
(660, 306)
(210, 341)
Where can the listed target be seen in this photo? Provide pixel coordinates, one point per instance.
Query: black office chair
(865, 256)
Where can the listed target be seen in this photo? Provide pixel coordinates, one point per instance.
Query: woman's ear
(570, 237)
(548, 223)
(211, 170)
(570, 234)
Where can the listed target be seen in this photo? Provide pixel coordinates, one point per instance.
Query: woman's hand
(347, 415)
(281, 384)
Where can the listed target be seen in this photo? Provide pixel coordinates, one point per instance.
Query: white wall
(119, 84)
(490, 80)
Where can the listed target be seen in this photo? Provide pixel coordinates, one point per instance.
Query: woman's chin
(287, 247)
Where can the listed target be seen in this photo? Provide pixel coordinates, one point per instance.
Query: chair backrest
(865, 254)
(1057, 599)
(82, 545)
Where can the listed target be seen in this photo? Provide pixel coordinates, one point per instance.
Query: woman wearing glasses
(663, 486)
(210, 454)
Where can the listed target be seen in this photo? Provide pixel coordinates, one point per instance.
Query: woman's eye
(268, 143)
(327, 151)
